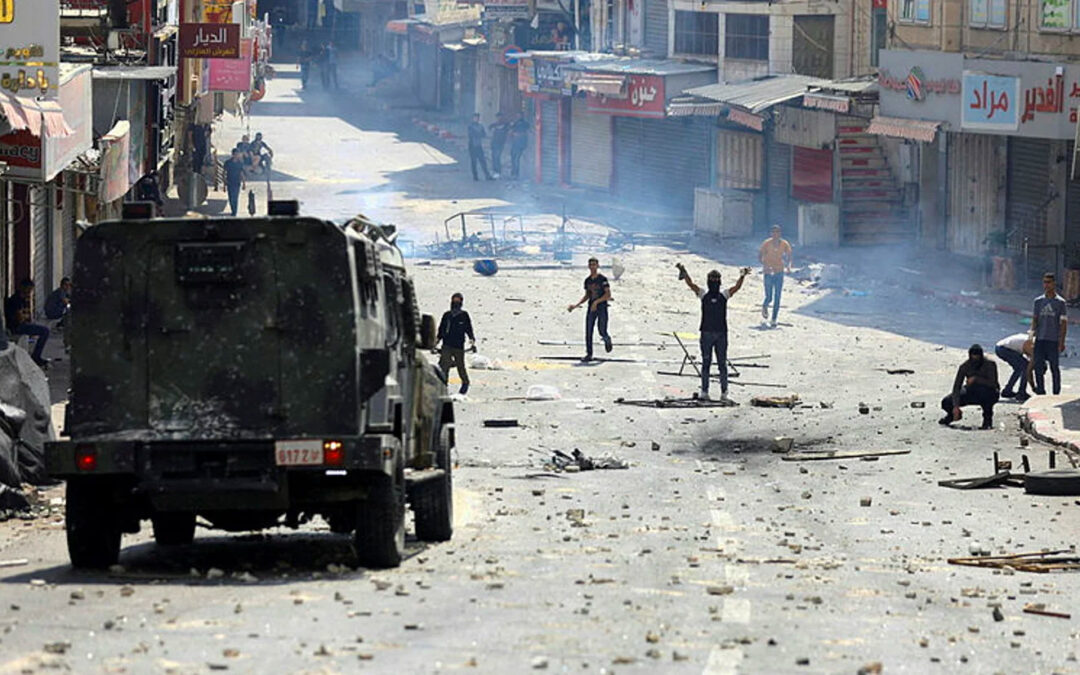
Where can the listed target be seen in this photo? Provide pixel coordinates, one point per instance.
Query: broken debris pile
(579, 461)
(25, 420)
(775, 401)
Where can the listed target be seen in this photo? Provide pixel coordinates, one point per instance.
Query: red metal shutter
(811, 179)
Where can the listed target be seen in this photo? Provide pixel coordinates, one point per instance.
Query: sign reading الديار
(30, 47)
(210, 41)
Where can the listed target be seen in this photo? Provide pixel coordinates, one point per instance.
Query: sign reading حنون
(30, 47)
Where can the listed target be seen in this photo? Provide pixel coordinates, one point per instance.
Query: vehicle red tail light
(333, 453)
(85, 457)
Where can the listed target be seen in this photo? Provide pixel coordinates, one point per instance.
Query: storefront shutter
(781, 211)
(426, 72)
(1072, 214)
(658, 163)
(549, 142)
(811, 174)
(1028, 189)
(590, 147)
(40, 229)
(656, 27)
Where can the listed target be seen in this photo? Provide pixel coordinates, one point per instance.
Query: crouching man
(976, 383)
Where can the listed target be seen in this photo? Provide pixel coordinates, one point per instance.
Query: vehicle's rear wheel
(433, 500)
(173, 529)
(380, 523)
(93, 524)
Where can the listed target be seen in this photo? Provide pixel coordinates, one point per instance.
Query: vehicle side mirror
(374, 367)
(428, 332)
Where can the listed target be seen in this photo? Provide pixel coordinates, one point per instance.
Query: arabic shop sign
(644, 98)
(990, 102)
(30, 47)
(210, 41)
(549, 77)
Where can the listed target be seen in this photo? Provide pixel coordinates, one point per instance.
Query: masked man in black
(453, 328)
(976, 383)
(713, 327)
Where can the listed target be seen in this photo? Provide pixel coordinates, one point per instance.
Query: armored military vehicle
(255, 373)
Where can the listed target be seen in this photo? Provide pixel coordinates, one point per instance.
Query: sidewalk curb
(1039, 425)
(959, 299)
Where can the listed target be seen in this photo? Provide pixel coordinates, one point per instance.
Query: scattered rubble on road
(1041, 562)
(789, 401)
(579, 461)
(815, 456)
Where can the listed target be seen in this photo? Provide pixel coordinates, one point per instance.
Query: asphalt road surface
(709, 554)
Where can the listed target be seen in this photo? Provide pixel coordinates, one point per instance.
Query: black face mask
(975, 360)
(714, 285)
(455, 306)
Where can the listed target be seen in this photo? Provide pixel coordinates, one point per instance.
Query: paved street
(709, 554)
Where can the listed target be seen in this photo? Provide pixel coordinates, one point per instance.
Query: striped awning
(695, 108)
(897, 127)
(834, 103)
(40, 118)
(600, 84)
(747, 119)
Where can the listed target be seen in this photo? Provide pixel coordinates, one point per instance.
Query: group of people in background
(325, 58)
(504, 130)
(19, 317)
(1029, 354)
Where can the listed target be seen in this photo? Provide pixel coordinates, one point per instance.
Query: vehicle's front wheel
(173, 529)
(380, 523)
(433, 500)
(92, 523)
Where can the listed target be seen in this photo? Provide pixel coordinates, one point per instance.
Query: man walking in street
(1014, 351)
(500, 129)
(453, 328)
(304, 58)
(976, 383)
(519, 138)
(18, 315)
(235, 180)
(1049, 323)
(476, 147)
(597, 294)
(775, 255)
(713, 327)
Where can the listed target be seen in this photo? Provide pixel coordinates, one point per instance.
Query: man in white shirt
(1015, 351)
(713, 327)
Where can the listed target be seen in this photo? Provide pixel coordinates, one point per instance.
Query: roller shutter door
(811, 174)
(659, 163)
(1072, 213)
(41, 253)
(656, 27)
(590, 147)
(549, 142)
(426, 72)
(781, 211)
(1028, 188)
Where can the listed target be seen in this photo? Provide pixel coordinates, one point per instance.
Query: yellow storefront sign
(7, 11)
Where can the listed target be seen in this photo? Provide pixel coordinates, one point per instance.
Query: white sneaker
(724, 398)
(703, 395)
(764, 311)
(772, 324)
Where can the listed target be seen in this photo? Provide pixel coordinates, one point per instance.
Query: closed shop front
(739, 160)
(1029, 189)
(590, 147)
(425, 67)
(659, 162)
(811, 174)
(656, 27)
(973, 208)
(40, 248)
(781, 209)
(1072, 216)
(548, 134)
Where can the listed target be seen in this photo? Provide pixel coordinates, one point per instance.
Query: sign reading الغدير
(30, 47)
(210, 41)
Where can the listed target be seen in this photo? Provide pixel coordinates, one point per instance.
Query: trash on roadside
(579, 461)
(1040, 609)
(542, 392)
(918, 404)
(486, 267)
(999, 479)
(782, 444)
(617, 268)
(1056, 482)
(677, 403)
(898, 371)
(480, 362)
(1043, 561)
(501, 423)
(864, 409)
(775, 401)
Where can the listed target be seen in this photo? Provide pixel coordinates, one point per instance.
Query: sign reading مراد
(30, 47)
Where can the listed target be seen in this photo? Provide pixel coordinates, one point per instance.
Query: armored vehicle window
(392, 304)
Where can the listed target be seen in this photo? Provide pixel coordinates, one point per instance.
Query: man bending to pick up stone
(713, 326)
(976, 383)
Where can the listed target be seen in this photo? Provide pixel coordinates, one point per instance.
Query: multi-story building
(994, 86)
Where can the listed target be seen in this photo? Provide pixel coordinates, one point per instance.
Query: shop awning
(832, 102)
(399, 26)
(134, 73)
(896, 127)
(690, 106)
(40, 118)
(600, 84)
(758, 94)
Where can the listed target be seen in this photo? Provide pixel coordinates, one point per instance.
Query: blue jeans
(774, 286)
(714, 342)
(1019, 365)
(37, 330)
(598, 319)
(234, 198)
(1046, 351)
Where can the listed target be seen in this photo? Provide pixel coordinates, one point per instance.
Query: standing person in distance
(713, 327)
(453, 328)
(1049, 324)
(775, 255)
(519, 138)
(597, 294)
(235, 179)
(476, 147)
(500, 129)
